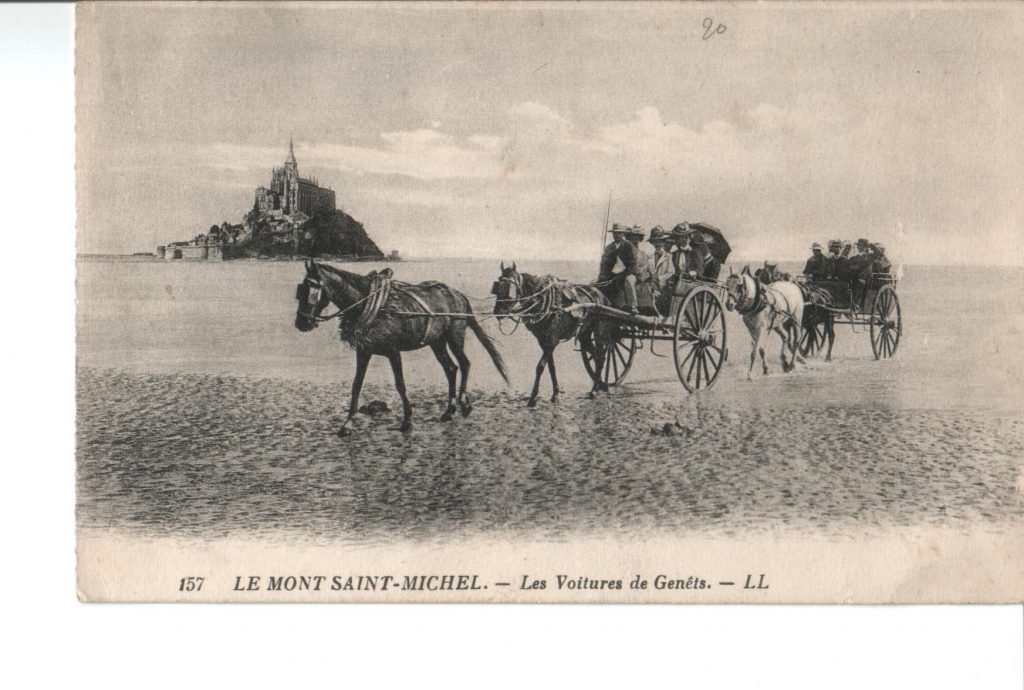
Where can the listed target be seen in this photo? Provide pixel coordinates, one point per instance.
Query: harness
(764, 298)
(421, 304)
(380, 291)
(758, 302)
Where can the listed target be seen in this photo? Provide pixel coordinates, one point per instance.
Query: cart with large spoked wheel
(691, 317)
(874, 307)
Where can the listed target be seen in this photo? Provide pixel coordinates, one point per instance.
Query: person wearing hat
(859, 269)
(881, 263)
(662, 259)
(816, 267)
(644, 263)
(836, 259)
(620, 250)
(710, 266)
(688, 260)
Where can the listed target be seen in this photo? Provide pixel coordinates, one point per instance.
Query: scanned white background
(53, 638)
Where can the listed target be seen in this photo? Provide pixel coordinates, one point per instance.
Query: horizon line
(499, 258)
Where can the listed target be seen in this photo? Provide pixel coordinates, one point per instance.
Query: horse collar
(757, 304)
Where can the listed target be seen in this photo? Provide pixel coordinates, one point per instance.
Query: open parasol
(717, 245)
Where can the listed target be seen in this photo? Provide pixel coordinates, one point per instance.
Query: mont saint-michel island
(294, 216)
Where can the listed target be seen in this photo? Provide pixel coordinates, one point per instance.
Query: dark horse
(539, 302)
(381, 317)
(817, 311)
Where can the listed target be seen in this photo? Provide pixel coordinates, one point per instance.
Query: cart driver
(816, 267)
(620, 251)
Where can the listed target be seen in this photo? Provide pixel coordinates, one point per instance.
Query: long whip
(607, 215)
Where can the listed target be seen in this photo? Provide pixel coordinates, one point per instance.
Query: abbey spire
(290, 160)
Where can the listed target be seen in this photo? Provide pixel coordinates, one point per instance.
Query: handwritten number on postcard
(710, 29)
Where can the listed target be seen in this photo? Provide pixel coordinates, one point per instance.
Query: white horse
(777, 307)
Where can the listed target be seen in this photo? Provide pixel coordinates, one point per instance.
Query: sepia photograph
(549, 302)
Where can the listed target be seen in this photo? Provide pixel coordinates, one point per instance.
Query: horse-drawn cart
(695, 325)
(877, 307)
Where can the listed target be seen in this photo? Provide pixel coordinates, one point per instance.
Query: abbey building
(291, 195)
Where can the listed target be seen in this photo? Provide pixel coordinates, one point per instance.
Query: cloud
(539, 114)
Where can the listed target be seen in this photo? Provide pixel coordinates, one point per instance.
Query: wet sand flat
(210, 456)
(202, 412)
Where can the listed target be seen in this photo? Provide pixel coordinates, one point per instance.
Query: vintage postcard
(550, 302)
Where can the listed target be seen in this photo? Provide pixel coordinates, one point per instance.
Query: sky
(501, 131)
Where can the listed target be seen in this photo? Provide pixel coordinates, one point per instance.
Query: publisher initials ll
(749, 584)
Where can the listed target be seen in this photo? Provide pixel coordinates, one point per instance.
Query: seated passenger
(859, 260)
(835, 261)
(662, 259)
(816, 267)
(620, 250)
(711, 266)
(689, 262)
(881, 263)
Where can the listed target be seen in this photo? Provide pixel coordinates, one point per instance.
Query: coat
(663, 268)
(618, 251)
(712, 268)
(817, 266)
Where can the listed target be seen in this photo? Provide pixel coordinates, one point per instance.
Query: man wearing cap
(816, 267)
(623, 251)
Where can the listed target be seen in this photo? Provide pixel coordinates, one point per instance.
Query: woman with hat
(688, 260)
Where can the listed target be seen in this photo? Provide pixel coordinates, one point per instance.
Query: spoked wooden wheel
(618, 357)
(699, 339)
(812, 340)
(886, 323)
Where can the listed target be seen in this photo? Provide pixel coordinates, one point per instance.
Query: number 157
(191, 584)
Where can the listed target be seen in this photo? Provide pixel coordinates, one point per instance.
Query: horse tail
(489, 345)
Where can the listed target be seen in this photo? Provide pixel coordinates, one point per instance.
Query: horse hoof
(447, 416)
(344, 431)
(554, 398)
(406, 427)
(532, 403)
(592, 394)
(465, 410)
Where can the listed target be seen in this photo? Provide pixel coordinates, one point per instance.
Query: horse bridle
(516, 282)
(310, 292)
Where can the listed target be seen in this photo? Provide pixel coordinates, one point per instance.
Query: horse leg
(536, 380)
(554, 377)
(605, 345)
(831, 332)
(460, 356)
(396, 367)
(783, 335)
(794, 343)
(753, 358)
(362, 363)
(599, 355)
(441, 352)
